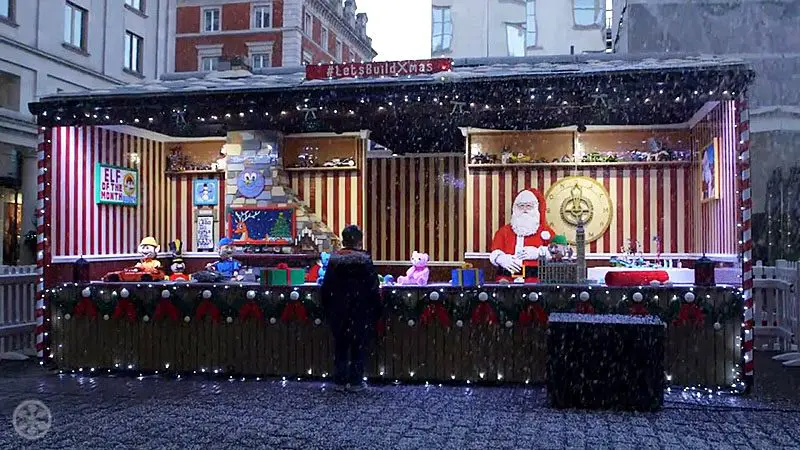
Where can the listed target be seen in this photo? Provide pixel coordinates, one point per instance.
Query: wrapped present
(467, 276)
(282, 275)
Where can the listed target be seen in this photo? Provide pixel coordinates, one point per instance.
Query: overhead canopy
(418, 112)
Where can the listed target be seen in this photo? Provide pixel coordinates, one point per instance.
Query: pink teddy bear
(418, 273)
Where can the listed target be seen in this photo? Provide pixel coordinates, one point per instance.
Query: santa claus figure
(517, 246)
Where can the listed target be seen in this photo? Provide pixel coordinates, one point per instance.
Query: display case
(321, 153)
(200, 157)
(569, 147)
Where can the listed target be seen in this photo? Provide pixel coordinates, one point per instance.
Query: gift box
(282, 275)
(467, 277)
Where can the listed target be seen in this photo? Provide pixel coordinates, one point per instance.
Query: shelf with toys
(323, 151)
(570, 148)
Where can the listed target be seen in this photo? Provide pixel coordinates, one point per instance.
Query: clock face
(575, 200)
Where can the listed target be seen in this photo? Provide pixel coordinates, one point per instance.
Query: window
(530, 23)
(515, 37)
(133, 52)
(9, 91)
(211, 19)
(209, 63)
(75, 26)
(260, 60)
(7, 9)
(588, 13)
(136, 4)
(323, 39)
(308, 58)
(339, 50)
(308, 24)
(262, 16)
(442, 29)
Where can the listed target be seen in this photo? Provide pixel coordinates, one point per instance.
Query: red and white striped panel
(717, 228)
(334, 197)
(82, 227)
(648, 202)
(746, 242)
(416, 202)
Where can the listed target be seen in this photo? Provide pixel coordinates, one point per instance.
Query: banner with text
(116, 185)
(378, 69)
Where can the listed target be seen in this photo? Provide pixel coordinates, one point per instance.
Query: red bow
(85, 307)
(639, 309)
(435, 312)
(533, 314)
(690, 313)
(125, 308)
(294, 310)
(484, 313)
(282, 266)
(251, 309)
(165, 308)
(584, 308)
(206, 308)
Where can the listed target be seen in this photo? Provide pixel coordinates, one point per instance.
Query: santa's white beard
(524, 223)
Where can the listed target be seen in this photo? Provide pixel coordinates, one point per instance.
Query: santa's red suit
(526, 246)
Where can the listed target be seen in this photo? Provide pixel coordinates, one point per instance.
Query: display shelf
(582, 164)
(174, 173)
(319, 169)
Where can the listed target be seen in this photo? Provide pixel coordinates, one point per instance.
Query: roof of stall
(417, 112)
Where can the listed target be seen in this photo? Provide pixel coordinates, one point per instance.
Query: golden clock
(579, 200)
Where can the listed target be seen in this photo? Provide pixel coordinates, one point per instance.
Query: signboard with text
(377, 69)
(116, 185)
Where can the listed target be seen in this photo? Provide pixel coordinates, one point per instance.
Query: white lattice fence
(776, 304)
(17, 306)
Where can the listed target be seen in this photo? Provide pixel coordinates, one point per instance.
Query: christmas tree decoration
(282, 227)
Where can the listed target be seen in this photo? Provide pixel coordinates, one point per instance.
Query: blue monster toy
(324, 257)
(250, 183)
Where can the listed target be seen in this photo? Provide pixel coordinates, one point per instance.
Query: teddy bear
(418, 273)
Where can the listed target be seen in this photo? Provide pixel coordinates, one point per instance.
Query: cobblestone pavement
(107, 412)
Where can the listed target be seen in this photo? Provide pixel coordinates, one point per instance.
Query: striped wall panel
(81, 227)
(648, 202)
(717, 219)
(416, 202)
(335, 196)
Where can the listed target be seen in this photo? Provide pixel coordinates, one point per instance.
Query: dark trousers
(350, 352)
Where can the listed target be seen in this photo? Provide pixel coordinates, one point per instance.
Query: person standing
(351, 301)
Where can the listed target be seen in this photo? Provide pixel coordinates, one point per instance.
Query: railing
(17, 306)
(776, 307)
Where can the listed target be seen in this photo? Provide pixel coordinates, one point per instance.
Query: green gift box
(283, 277)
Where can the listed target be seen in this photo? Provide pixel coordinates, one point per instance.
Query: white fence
(776, 303)
(17, 308)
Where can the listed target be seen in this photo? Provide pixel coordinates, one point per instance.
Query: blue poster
(206, 192)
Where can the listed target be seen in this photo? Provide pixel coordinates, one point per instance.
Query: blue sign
(206, 192)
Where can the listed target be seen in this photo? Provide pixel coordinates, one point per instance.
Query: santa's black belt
(527, 272)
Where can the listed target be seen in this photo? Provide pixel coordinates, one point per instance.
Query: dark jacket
(350, 291)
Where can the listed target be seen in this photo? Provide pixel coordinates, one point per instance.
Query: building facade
(50, 46)
(268, 33)
(764, 33)
(474, 28)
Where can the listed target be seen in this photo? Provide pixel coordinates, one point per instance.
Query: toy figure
(418, 273)
(178, 266)
(559, 248)
(149, 248)
(226, 266)
(317, 272)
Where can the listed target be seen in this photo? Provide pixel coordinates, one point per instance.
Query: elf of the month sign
(116, 185)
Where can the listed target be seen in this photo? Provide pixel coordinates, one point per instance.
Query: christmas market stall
(185, 224)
